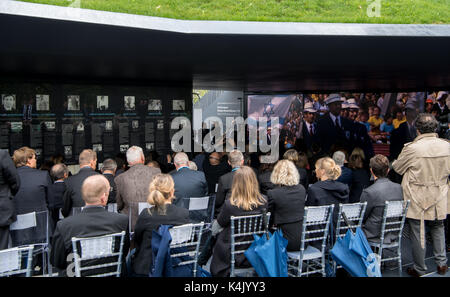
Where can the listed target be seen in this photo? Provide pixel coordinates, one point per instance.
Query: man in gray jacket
(376, 195)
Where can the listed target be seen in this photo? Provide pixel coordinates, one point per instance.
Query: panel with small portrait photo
(42, 102)
(102, 102)
(108, 125)
(155, 105)
(97, 148)
(50, 126)
(129, 102)
(178, 105)
(80, 127)
(135, 124)
(73, 102)
(124, 148)
(9, 102)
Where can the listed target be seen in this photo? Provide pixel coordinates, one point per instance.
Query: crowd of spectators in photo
(330, 161)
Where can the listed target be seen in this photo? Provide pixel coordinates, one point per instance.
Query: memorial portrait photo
(178, 105)
(108, 126)
(97, 147)
(129, 102)
(50, 126)
(73, 102)
(42, 102)
(9, 102)
(135, 124)
(155, 105)
(80, 127)
(102, 102)
(150, 146)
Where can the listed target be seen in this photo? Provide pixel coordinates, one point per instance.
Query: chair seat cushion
(308, 254)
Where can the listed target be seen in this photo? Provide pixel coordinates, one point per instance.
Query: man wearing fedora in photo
(308, 128)
(332, 129)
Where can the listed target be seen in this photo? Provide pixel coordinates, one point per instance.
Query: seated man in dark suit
(188, 183)
(376, 195)
(346, 173)
(93, 221)
(236, 160)
(109, 171)
(72, 195)
(59, 173)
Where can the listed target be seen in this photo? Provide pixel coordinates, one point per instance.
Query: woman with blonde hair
(245, 200)
(327, 190)
(161, 212)
(287, 202)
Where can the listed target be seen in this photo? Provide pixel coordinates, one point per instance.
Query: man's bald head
(95, 190)
(88, 157)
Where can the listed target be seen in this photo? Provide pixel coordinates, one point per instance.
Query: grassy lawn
(332, 11)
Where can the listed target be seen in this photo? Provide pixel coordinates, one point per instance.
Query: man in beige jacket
(425, 166)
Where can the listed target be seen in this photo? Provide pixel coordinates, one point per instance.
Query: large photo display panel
(64, 119)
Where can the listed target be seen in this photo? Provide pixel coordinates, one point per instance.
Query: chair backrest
(394, 218)
(185, 245)
(201, 209)
(354, 213)
(242, 230)
(316, 223)
(16, 261)
(111, 207)
(30, 228)
(99, 256)
(142, 206)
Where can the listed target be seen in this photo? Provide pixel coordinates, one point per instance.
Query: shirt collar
(182, 168)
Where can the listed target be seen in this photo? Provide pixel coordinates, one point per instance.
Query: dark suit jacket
(33, 191)
(287, 206)
(113, 189)
(189, 183)
(221, 257)
(213, 173)
(223, 191)
(308, 139)
(346, 176)
(264, 182)
(360, 181)
(376, 195)
(55, 195)
(399, 137)
(328, 134)
(92, 221)
(9, 186)
(72, 195)
(146, 223)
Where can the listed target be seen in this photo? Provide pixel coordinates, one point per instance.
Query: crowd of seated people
(311, 174)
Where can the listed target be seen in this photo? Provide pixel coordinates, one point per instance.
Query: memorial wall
(67, 118)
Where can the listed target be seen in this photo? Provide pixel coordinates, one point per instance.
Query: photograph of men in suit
(102, 102)
(129, 102)
(94, 220)
(73, 102)
(42, 102)
(9, 102)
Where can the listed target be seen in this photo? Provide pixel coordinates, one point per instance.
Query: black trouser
(4, 237)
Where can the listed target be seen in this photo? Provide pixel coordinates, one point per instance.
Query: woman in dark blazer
(287, 203)
(265, 171)
(327, 190)
(163, 213)
(360, 176)
(245, 200)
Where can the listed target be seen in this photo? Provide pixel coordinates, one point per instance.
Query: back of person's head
(161, 191)
(46, 165)
(329, 167)
(192, 165)
(379, 165)
(109, 165)
(291, 155)
(22, 155)
(86, 157)
(245, 189)
(235, 157)
(180, 159)
(339, 158)
(59, 171)
(285, 173)
(214, 158)
(57, 158)
(95, 188)
(302, 160)
(121, 160)
(357, 158)
(426, 123)
(153, 164)
(135, 155)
